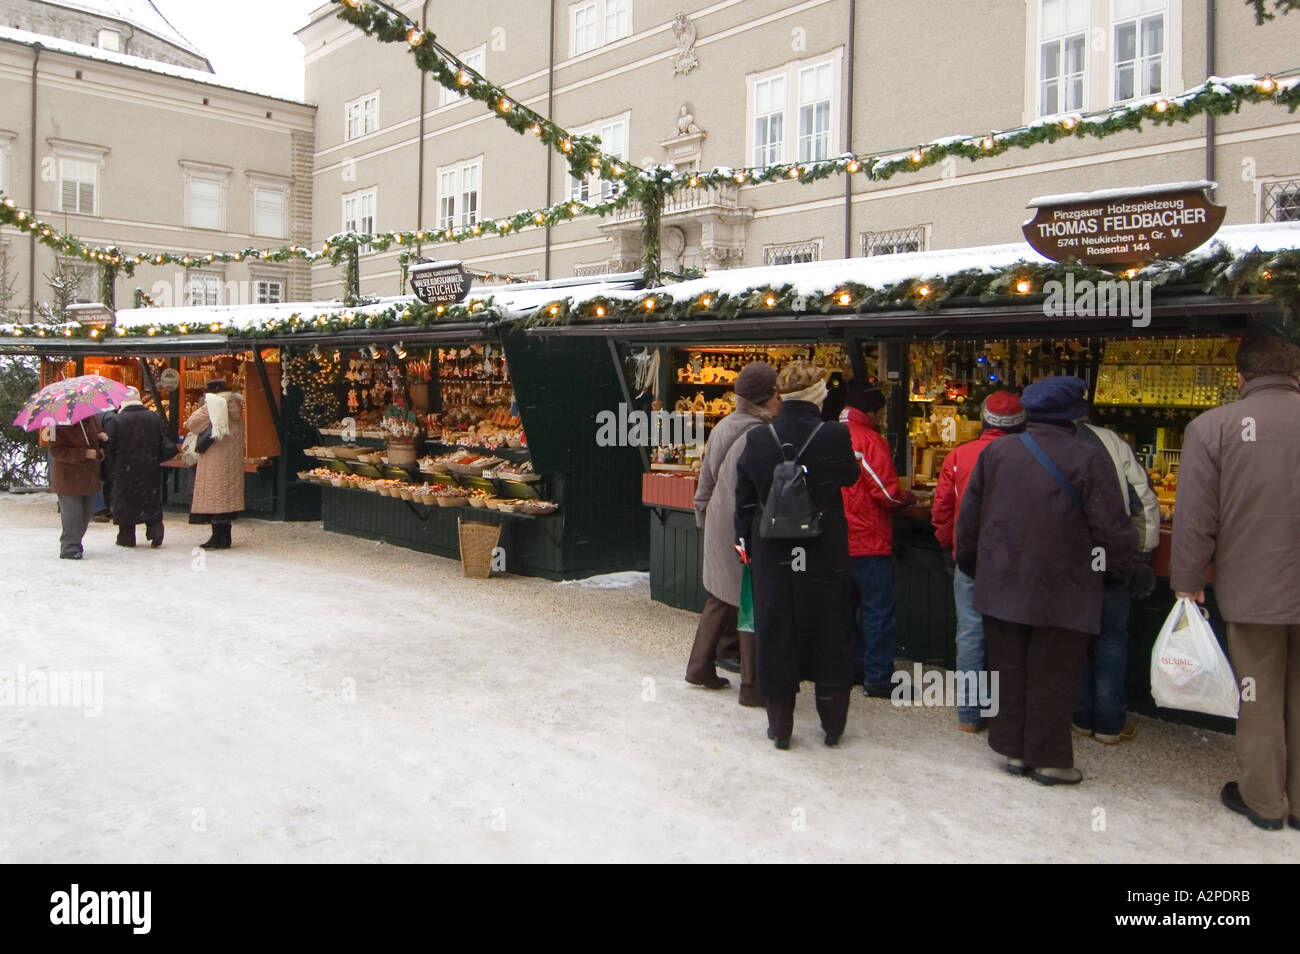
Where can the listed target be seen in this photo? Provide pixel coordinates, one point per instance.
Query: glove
(949, 564)
(1141, 580)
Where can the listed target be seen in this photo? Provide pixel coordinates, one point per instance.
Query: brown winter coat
(1031, 551)
(73, 473)
(1238, 504)
(219, 476)
(715, 504)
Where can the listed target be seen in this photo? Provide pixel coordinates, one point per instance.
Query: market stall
(938, 331)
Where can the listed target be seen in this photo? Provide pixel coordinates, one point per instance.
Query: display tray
(515, 455)
(365, 470)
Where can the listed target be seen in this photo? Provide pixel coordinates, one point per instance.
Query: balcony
(722, 199)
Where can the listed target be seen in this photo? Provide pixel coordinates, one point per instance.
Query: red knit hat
(1002, 410)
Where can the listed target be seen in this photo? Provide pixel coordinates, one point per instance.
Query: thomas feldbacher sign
(1124, 226)
(440, 283)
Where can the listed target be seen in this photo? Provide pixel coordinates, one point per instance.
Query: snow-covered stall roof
(58, 45)
(1106, 195)
(141, 14)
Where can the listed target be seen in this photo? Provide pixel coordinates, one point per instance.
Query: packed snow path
(314, 698)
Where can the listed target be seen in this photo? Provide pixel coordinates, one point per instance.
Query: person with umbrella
(137, 446)
(70, 407)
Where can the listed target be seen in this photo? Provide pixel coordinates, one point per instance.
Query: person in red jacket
(869, 505)
(1001, 414)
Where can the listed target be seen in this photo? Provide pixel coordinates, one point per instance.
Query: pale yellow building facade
(750, 82)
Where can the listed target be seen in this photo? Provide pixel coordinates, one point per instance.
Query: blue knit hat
(1055, 399)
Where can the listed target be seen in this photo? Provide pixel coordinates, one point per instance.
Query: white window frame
(460, 219)
(64, 150)
(596, 189)
(270, 182)
(1264, 185)
(260, 279)
(116, 41)
(1099, 83)
(1138, 61)
(367, 115)
(207, 278)
(789, 151)
(476, 60)
(893, 237)
(191, 172)
(6, 157)
(83, 291)
(357, 219)
(601, 34)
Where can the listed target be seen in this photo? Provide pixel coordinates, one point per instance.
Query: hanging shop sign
(170, 379)
(440, 283)
(1124, 227)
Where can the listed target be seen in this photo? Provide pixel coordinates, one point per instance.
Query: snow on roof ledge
(1106, 195)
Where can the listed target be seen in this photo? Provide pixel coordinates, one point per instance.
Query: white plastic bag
(1188, 668)
(190, 451)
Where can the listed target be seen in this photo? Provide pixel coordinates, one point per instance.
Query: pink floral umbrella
(70, 401)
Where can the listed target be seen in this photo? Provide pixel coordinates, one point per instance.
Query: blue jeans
(1102, 705)
(873, 619)
(970, 644)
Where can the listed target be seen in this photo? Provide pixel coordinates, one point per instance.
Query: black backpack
(788, 513)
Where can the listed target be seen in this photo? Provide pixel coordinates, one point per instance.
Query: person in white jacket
(1102, 707)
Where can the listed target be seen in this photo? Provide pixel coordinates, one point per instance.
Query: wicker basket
(401, 451)
(477, 541)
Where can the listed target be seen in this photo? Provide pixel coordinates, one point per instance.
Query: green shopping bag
(745, 620)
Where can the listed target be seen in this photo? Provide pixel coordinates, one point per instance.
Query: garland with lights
(1270, 275)
(1261, 8)
(315, 375)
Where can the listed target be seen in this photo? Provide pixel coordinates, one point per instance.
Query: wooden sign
(440, 283)
(1124, 227)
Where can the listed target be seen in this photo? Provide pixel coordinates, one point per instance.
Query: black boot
(222, 531)
(212, 542)
(126, 535)
(153, 532)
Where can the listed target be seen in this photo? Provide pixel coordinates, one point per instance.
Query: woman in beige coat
(219, 478)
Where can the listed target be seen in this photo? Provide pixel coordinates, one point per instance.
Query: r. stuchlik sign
(440, 283)
(1124, 228)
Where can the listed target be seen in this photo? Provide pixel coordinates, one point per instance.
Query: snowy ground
(314, 698)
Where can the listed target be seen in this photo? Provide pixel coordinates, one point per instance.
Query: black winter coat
(802, 605)
(137, 446)
(1032, 552)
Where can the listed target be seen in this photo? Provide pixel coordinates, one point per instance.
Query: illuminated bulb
(1266, 274)
(447, 235)
(1023, 286)
(987, 142)
(595, 163)
(918, 155)
(1069, 122)
(476, 229)
(153, 330)
(9, 203)
(414, 36)
(185, 260)
(1267, 85)
(695, 181)
(567, 145)
(706, 302)
(1130, 273)
(649, 304)
(600, 311)
(854, 165)
(923, 291)
(539, 218)
(158, 260)
(45, 231)
(94, 332)
(573, 208)
(554, 310)
(121, 331)
(740, 177)
(504, 105)
(463, 78)
(770, 301)
(1162, 105)
(794, 172)
(185, 329)
(535, 129)
(844, 298)
(617, 170)
(22, 216)
(439, 310)
(67, 332)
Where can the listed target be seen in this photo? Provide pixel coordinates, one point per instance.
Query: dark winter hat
(1002, 410)
(756, 382)
(866, 398)
(217, 385)
(1055, 399)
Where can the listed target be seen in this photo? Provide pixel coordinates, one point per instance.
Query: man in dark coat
(1039, 546)
(802, 589)
(137, 446)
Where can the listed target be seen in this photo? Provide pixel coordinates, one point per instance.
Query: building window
(769, 121)
(1062, 55)
(460, 197)
(1280, 201)
(894, 241)
(803, 95)
(359, 213)
(77, 277)
(474, 60)
(6, 157)
(205, 203)
(109, 40)
(613, 143)
(598, 22)
(268, 212)
(793, 253)
(268, 291)
(78, 186)
(202, 288)
(362, 116)
(1139, 32)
